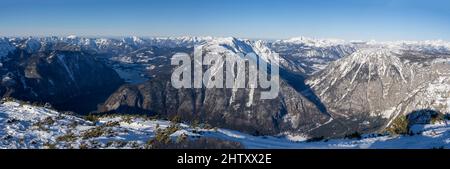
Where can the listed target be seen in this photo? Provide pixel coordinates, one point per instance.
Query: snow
(134, 40)
(426, 45)
(314, 41)
(387, 113)
(98, 44)
(72, 37)
(17, 121)
(19, 129)
(436, 95)
(434, 136)
(250, 97)
(63, 62)
(295, 137)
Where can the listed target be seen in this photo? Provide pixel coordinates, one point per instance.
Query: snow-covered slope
(26, 126)
(314, 42)
(231, 45)
(300, 53)
(429, 46)
(314, 54)
(311, 54)
(432, 136)
(382, 82)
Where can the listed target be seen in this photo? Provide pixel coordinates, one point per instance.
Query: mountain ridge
(323, 82)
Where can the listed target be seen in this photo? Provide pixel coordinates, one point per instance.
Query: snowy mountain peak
(230, 41)
(364, 65)
(221, 45)
(245, 46)
(378, 60)
(72, 37)
(133, 40)
(372, 55)
(315, 42)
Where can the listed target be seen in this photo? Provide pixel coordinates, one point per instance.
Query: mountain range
(328, 87)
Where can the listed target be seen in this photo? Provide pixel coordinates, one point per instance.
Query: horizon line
(210, 36)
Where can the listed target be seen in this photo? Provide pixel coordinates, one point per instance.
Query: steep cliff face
(55, 76)
(361, 87)
(296, 109)
(382, 83)
(219, 107)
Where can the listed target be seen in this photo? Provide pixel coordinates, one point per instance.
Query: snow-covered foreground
(25, 126)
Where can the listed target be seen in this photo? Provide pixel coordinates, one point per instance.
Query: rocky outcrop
(289, 112)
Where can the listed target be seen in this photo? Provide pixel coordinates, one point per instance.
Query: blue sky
(265, 19)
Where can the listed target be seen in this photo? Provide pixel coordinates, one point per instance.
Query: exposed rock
(55, 76)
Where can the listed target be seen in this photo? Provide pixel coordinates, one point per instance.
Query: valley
(328, 88)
